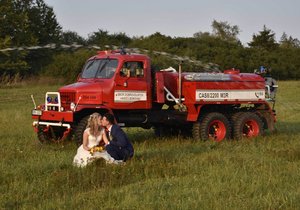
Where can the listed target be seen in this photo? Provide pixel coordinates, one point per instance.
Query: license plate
(36, 112)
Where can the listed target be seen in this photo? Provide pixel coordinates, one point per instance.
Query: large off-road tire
(233, 119)
(213, 126)
(50, 134)
(79, 129)
(247, 125)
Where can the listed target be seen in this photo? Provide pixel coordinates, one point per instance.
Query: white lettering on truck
(230, 95)
(129, 96)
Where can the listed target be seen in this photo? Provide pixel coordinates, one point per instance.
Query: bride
(94, 135)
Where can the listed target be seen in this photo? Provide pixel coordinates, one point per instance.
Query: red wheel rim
(251, 129)
(216, 130)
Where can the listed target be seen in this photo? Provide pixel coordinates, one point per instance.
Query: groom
(119, 147)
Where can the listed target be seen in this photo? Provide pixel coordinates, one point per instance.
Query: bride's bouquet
(96, 149)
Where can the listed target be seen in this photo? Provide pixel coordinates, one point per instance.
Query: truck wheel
(78, 133)
(233, 119)
(247, 125)
(214, 126)
(49, 134)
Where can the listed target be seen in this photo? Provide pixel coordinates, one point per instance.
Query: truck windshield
(100, 68)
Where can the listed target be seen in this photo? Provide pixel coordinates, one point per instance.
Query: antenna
(33, 101)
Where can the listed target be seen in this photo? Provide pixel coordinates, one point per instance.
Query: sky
(177, 18)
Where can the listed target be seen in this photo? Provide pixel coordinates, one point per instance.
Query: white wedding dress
(84, 157)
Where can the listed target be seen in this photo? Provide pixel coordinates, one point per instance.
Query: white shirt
(109, 129)
(109, 133)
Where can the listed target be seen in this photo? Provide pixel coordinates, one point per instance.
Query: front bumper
(37, 123)
(54, 116)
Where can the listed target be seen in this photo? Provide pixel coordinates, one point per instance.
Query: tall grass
(169, 173)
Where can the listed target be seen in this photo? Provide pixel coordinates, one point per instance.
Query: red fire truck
(214, 106)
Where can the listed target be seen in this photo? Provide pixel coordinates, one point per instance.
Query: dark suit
(120, 148)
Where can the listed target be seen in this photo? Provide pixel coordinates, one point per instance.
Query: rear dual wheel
(214, 126)
(247, 125)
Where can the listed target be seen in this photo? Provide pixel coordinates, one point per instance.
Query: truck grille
(67, 98)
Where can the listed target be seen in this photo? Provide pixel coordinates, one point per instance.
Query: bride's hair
(93, 123)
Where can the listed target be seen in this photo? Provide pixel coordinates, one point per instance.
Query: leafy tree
(14, 23)
(154, 42)
(225, 31)
(265, 39)
(42, 22)
(121, 39)
(67, 65)
(46, 30)
(70, 37)
(212, 48)
(14, 31)
(200, 34)
(26, 23)
(102, 38)
(289, 42)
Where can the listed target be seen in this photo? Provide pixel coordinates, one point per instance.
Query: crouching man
(119, 146)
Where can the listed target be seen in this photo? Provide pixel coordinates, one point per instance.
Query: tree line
(33, 22)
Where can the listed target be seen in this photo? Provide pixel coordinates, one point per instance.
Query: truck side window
(139, 69)
(132, 69)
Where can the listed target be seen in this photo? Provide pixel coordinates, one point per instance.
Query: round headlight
(72, 106)
(56, 99)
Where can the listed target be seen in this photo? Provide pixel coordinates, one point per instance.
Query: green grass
(170, 173)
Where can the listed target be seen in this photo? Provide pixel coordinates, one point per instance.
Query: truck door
(132, 90)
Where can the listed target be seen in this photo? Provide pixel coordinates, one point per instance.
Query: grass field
(175, 173)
